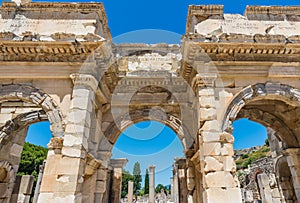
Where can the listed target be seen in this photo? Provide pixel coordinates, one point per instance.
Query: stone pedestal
(116, 186)
(130, 192)
(152, 184)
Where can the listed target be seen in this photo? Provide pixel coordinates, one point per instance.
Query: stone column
(65, 171)
(38, 183)
(101, 184)
(172, 188)
(215, 146)
(130, 192)
(152, 184)
(116, 186)
(293, 159)
(264, 188)
(175, 184)
(180, 164)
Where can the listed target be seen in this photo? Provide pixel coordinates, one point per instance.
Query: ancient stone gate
(58, 63)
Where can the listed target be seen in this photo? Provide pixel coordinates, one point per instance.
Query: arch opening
(149, 143)
(275, 107)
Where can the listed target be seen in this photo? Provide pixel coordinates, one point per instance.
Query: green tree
(146, 188)
(159, 187)
(137, 177)
(31, 158)
(126, 176)
(267, 142)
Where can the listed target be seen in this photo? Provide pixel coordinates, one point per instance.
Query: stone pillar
(215, 146)
(38, 183)
(264, 188)
(64, 174)
(109, 180)
(293, 159)
(180, 164)
(101, 184)
(175, 184)
(152, 184)
(172, 188)
(116, 186)
(130, 192)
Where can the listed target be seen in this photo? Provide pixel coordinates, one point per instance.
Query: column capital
(118, 163)
(92, 164)
(85, 79)
(203, 80)
(55, 143)
(180, 162)
(152, 167)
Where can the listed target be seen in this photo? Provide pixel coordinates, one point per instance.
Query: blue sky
(154, 143)
(153, 22)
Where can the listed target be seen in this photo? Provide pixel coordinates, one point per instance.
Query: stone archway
(7, 179)
(273, 105)
(16, 124)
(121, 123)
(285, 181)
(27, 93)
(14, 130)
(246, 104)
(115, 128)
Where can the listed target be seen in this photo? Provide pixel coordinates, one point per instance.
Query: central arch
(120, 124)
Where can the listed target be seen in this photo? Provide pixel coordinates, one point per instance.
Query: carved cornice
(273, 10)
(46, 51)
(246, 52)
(235, 52)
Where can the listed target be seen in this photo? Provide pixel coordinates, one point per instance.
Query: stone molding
(116, 127)
(16, 124)
(47, 51)
(36, 96)
(273, 10)
(247, 94)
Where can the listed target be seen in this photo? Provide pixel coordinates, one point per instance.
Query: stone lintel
(118, 163)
